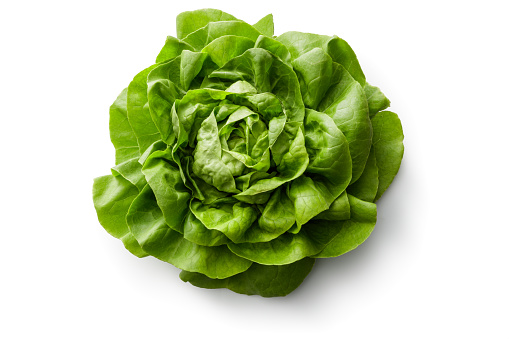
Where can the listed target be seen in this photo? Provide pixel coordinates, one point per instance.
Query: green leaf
(343, 54)
(148, 226)
(190, 65)
(208, 164)
(366, 187)
(163, 89)
(138, 111)
(131, 171)
(292, 165)
(164, 177)
(265, 25)
(263, 280)
(329, 163)
(346, 104)
(315, 70)
(329, 155)
(267, 73)
(204, 36)
(388, 146)
(279, 214)
(188, 22)
(338, 210)
(275, 47)
(377, 101)
(225, 48)
(288, 247)
(112, 197)
(121, 133)
(231, 219)
(197, 233)
(352, 232)
(300, 43)
(172, 48)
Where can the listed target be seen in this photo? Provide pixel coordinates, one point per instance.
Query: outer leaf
(329, 161)
(138, 111)
(338, 210)
(172, 48)
(188, 22)
(299, 43)
(377, 101)
(388, 146)
(112, 197)
(121, 133)
(148, 226)
(366, 187)
(346, 104)
(131, 171)
(344, 55)
(265, 25)
(352, 232)
(266, 281)
(163, 89)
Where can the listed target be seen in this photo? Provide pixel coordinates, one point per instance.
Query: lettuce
(242, 157)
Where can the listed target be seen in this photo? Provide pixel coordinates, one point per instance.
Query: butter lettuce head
(241, 157)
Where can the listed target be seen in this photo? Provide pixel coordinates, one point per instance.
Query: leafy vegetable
(241, 156)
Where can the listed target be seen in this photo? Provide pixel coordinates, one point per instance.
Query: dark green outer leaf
(263, 280)
(388, 146)
(121, 133)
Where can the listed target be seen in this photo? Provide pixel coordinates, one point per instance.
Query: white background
(436, 265)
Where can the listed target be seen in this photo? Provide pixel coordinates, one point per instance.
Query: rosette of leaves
(242, 157)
